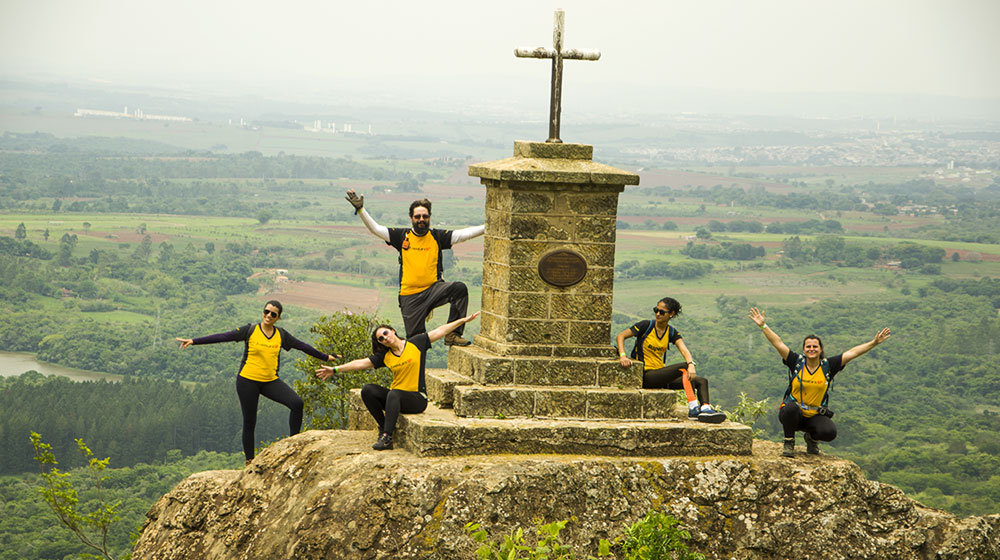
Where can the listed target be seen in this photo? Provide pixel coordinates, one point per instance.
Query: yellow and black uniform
(650, 347)
(420, 260)
(809, 387)
(408, 367)
(258, 375)
(421, 288)
(408, 391)
(799, 411)
(260, 352)
(260, 358)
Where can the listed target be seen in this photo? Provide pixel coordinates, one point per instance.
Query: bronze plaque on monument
(562, 268)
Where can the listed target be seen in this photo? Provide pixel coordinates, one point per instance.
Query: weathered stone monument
(542, 376)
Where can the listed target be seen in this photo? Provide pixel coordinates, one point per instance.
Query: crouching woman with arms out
(803, 408)
(406, 358)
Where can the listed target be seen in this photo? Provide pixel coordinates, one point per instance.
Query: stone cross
(557, 54)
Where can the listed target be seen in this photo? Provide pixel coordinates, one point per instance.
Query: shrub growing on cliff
(748, 411)
(348, 335)
(657, 536)
(514, 546)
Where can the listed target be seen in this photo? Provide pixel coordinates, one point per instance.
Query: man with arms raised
(421, 288)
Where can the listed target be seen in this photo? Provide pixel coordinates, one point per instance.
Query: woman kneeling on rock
(405, 358)
(803, 408)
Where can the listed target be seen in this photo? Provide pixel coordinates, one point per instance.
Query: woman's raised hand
(185, 342)
(757, 316)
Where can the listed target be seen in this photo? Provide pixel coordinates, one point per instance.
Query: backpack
(800, 365)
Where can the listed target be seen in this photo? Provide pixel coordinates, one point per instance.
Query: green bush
(655, 537)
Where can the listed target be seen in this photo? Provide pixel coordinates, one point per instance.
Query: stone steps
(439, 432)
(563, 402)
(441, 385)
(448, 389)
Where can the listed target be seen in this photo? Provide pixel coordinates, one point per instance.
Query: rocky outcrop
(326, 494)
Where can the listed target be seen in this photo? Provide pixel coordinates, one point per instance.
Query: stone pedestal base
(438, 432)
(488, 368)
(653, 426)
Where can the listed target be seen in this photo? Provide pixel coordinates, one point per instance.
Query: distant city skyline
(656, 55)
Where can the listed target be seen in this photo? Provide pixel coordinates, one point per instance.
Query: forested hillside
(110, 248)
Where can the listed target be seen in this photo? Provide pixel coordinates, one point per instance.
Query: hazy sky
(946, 47)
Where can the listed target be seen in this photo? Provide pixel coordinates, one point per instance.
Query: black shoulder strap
(825, 364)
(801, 365)
(636, 350)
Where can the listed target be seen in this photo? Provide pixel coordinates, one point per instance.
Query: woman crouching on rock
(405, 357)
(810, 374)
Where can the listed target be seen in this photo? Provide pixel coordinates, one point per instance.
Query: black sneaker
(710, 415)
(789, 449)
(812, 446)
(384, 442)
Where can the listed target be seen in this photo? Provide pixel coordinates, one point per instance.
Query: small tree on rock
(348, 335)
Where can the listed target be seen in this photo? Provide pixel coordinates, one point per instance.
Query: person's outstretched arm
(757, 316)
(465, 234)
(289, 341)
(447, 328)
(620, 342)
(324, 372)
(231, 336)
(880, 337)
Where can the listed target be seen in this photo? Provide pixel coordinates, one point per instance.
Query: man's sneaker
(789, 449)
(812, 446)
(384, 442)
(693, 413)
(452, 339)
(710, 415)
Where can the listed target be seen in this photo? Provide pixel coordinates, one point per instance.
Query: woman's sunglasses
(659, 311)
(268, 312)
(382, 336)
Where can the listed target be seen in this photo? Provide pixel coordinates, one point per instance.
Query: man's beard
(421, 228)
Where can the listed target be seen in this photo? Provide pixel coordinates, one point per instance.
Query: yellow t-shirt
(419, 257)
(262, 356)
(654, 346)
(810, 389)
(408, 367)
(813, 387)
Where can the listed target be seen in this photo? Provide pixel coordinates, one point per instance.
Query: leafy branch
(58, 492)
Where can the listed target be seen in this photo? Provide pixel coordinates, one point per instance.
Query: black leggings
(249, 392)
(670, 378)
(378, 399)
(820, 427)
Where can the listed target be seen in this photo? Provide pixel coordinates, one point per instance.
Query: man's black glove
(358, 202)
